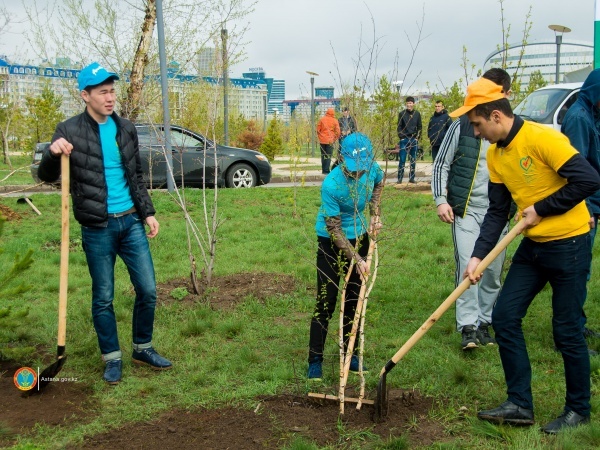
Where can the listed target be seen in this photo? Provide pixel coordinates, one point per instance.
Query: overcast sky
(289, 37)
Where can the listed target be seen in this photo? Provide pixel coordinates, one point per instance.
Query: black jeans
(326, 154)
(434, 151)
(332, 265)
(564, 264)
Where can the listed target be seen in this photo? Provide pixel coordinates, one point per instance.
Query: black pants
(332, 265)
(434, 151)
(326, 154)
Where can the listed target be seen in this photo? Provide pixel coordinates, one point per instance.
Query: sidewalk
(308, 169)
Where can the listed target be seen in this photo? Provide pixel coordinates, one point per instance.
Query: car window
(564, 108)
(540, 105)
(149, 136)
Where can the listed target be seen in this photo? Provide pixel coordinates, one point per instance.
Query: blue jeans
(124, 236)
(565, 265)
(407, 146)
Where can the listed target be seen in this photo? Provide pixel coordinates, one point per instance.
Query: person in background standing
(347, 124)
(328, 131)
(409, 131)
(437, 128)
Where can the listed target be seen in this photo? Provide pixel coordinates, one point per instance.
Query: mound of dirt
(228, 291)
(8, 213)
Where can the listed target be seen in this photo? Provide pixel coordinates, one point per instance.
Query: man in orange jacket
(328, 131)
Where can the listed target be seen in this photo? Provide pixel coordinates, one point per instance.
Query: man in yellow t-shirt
(549, 181)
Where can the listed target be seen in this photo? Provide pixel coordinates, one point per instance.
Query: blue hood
(590, 91)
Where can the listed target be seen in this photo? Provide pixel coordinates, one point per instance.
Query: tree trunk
(131, 105)
(5, 156)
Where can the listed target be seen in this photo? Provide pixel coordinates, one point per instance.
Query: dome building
(541, 56)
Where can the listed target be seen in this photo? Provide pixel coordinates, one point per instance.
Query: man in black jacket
(111, 203)
(437, 128)
(409, 132)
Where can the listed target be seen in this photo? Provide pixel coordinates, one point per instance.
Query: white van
(548, 105)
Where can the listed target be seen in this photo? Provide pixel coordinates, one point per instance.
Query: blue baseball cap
(93, 75)
(357, 152)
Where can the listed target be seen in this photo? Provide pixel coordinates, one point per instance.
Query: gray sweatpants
(475, 305)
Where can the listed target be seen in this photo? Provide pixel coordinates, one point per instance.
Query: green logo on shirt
(526, 163)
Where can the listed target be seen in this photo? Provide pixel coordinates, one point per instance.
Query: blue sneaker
(354, 365)
(112, 371)
(315, 371)
(149, 357)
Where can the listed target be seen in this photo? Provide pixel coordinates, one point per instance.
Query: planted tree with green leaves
(273, 143)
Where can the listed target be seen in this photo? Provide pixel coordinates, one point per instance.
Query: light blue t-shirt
(118, 194)
(346, 197)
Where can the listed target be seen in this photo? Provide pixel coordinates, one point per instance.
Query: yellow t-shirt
(528, 168)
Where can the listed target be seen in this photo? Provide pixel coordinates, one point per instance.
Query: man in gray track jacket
(459, 186)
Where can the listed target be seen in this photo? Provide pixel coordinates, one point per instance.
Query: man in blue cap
(342, 236)
(111, 203)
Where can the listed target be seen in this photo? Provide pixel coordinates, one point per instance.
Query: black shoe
(469, 337)
(112, 371)
(509, 413)
(150, 357)
(568, 419)
(589, 333)
(483, 335)
(412, 181)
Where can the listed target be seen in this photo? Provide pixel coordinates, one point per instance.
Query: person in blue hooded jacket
(582, 126)
(342, 236)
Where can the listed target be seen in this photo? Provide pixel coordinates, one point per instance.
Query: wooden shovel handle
(64, 251)
(462, 287)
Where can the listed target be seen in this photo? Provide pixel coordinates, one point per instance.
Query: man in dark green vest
(459, 185)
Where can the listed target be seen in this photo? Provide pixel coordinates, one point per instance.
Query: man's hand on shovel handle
(470, 270)
(61, 145)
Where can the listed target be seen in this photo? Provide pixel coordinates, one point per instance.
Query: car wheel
(241, 176)
(392, 156)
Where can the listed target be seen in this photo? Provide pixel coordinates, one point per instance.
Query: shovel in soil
(381, 404)
(51, 371)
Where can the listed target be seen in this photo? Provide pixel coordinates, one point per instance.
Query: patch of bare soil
(228, 291)
(273, 423)
(59, 404)
(8, 213)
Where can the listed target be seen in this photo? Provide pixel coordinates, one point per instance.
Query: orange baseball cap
(479, 92)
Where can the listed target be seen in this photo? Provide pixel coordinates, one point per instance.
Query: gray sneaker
(469, 337)
(484, 336)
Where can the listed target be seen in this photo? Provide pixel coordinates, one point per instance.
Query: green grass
(20, 174)
(263, 346)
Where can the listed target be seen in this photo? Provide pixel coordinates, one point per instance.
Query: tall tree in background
(130, 106)
(10, 117)
(43, 114)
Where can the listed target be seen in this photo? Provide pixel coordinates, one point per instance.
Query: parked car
(37, 157)
(195, 158)
(548, 105)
